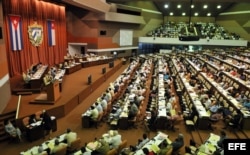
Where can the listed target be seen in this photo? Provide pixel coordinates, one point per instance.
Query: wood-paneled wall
(4, 77)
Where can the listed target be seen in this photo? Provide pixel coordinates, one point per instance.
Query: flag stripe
(11, 35)
(51, 33)
(20, 35)
(53, 36)
(19, 39)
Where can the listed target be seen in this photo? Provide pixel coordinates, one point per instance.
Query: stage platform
(75, 89)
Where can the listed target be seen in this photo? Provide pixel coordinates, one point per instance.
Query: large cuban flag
(51, 33)
(15, 26)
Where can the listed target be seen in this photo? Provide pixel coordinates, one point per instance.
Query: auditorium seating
(191, 123)
(122, 145)
(62, 151)
(75, 145)
(112, 152)
(203, 30)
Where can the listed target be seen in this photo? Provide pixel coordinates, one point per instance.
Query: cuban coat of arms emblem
(35, 32)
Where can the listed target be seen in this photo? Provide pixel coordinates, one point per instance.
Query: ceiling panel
(185, 6)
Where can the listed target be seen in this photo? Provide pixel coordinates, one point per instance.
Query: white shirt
(70, 137)
(115, 141)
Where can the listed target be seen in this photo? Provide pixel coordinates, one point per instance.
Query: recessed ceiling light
(196, 13)
(171, 13)
(183, 14)
(166, 6)
(204, 6)
(179, 6)
(208, 14)
(218, 6)
(192, 6)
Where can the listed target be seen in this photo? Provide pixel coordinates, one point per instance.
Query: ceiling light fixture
(218, 6)
(166, 6)
(204, 6)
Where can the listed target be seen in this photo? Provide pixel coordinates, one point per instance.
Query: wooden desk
(47, 146)
(73, 69)
(36, 131)
(154, 143)
(210, 145)
(96, 62)
(85, 121)
(77, 59)
(229, 99)
(60, 76)
(37, 78)
(192, 98)
(123, 123)
(53, 91)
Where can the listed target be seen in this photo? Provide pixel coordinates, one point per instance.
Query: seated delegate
(70, 136)
(12, 130)
(178, 143)
(94, 113)
(58, 146)
(115, 139)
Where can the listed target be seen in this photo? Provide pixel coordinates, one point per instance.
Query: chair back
(75, 145)
(26, 121)
(112, 152)
(100, 117)
(195, 119)
(122, 145)
(62, 151)
(170, 151)
(38, 115)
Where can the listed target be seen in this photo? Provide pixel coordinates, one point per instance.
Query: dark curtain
(32, 11)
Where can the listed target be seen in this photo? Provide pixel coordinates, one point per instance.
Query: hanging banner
(51, 33)
(15, 29)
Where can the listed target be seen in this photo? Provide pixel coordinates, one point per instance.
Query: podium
(53, 91)
(51, 96)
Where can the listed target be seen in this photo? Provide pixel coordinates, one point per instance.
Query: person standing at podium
(47, 123)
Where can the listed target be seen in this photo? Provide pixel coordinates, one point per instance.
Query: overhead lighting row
(184, 14)
(192, 6)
